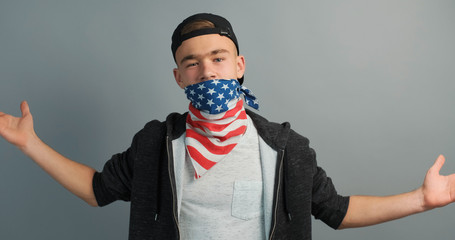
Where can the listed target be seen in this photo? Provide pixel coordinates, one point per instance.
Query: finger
(25, 109)
(439, 163)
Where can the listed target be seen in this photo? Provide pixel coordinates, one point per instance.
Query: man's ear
(240, 66)
(177, 78)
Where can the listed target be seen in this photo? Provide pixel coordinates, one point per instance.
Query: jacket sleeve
(114, 181)
(327, 205)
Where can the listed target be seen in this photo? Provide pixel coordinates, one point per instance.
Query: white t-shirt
(227, 201)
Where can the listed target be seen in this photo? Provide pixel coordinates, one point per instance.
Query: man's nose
(207, 72)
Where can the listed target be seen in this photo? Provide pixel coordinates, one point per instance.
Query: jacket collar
(176, 125)
(274, 134)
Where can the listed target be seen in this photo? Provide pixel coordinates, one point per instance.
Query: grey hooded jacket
(144, 175)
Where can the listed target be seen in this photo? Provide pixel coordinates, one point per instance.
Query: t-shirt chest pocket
(247, 199)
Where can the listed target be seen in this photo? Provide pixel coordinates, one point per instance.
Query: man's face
(207, 57)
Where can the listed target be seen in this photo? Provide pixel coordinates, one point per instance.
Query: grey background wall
(370, 83)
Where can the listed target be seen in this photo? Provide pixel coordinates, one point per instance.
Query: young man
(220, 171)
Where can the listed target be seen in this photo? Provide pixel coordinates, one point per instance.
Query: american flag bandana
(213, 96)
(216, 121)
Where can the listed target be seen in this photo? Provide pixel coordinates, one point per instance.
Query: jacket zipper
(277, 196)
(172, 186)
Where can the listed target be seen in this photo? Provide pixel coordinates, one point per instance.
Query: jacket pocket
(247, 199)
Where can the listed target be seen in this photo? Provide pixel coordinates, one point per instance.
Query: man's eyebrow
(186, 58)
(214, 52)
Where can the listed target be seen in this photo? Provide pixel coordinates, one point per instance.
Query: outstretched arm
(436, 191)
(74, 176)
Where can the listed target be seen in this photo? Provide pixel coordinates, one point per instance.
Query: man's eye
(218, 60)
(191, 65)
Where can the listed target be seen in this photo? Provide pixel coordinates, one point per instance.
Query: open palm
(438, 190)
(17, 130)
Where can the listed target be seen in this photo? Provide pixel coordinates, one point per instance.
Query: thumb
(25, 109)
(438, 163)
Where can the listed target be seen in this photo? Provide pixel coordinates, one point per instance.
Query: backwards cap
(222, 27)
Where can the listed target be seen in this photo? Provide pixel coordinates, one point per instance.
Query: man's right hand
(18, 130)
(75, 177)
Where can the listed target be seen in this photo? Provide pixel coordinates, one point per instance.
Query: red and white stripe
(210, 137)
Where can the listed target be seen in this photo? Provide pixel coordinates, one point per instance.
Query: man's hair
(196, 25)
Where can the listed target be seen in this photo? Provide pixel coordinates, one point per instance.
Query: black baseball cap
(222, 27)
